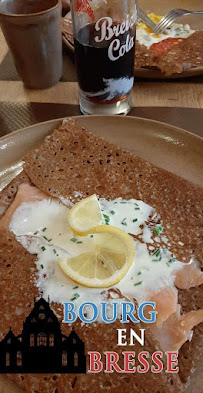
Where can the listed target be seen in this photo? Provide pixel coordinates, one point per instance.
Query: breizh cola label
(109, 30)
(105, 50)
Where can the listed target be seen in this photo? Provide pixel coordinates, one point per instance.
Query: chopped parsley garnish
(123, 202)
(135, 220)
(42, 266)
(91, 235)
(139, 273)
(137, 208)
(158, 230)
(123, 222)
(48, 240)
(115, 203)
(43, 248)
(75, 287)
(54, 251)
(112, 212)
(107, 219)
(172, 260)
(137, 283)
(155, 260)
(44, 229)
(79, 242)
(157, 252)
(74, 240)
(76, 296)
(36, 233)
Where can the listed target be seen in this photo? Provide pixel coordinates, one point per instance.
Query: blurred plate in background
(158, 7)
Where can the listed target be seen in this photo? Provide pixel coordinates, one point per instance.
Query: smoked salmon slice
(177, 330)
(171, 329)
(187, 322)
(189, 276)
(166, 304)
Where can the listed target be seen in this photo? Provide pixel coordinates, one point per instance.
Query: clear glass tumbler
(104, 37)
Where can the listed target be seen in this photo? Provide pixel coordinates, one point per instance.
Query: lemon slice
(85, 215)
(109, 258)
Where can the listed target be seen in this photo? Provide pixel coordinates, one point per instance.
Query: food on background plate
(176, 50)
(171, 36)
(75, 188)
(67, 28)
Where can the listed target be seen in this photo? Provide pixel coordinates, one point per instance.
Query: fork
(169, 18)
(144, 17)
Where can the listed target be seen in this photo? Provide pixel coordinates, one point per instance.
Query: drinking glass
(32, 29)
(104, 38)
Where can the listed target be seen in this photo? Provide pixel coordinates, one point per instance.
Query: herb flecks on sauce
(76, 296)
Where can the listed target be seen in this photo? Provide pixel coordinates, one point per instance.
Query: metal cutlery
(169, 18)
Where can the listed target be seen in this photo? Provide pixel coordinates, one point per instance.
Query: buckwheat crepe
(72, 159)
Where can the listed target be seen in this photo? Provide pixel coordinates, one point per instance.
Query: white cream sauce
(174, 31)
(42, 228)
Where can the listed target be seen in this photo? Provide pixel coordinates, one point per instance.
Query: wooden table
(178, 102)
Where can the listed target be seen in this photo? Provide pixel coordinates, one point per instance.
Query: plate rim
(68, 43)
(180, 130)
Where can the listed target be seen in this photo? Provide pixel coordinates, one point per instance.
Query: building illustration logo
(42, 347)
